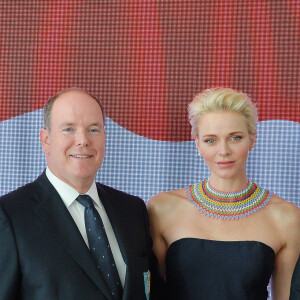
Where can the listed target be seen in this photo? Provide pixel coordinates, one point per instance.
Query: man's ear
(45, 140)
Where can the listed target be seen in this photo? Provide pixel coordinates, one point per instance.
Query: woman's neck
(228, 184)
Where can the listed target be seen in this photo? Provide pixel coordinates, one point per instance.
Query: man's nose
(82, 138)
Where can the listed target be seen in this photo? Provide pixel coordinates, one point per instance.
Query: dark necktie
(99, 246)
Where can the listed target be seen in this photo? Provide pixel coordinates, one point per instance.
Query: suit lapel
(56, 217)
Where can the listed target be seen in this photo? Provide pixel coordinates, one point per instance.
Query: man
(49, 229)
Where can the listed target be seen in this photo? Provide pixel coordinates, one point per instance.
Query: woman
(224, 237)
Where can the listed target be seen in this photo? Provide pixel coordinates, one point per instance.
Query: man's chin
(78, 178)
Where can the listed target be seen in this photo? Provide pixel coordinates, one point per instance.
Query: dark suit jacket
(43, 255)
(295, 287)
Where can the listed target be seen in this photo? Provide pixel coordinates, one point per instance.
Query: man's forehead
(76, 102)
(72, 99)
(74, 95)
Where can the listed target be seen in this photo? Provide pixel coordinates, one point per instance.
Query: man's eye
(67, 130)
(94, 130)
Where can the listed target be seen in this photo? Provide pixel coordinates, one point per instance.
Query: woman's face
(224, 141)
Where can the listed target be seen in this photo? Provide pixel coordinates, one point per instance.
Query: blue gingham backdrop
(144, 167)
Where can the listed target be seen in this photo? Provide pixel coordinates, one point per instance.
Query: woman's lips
(225, 164)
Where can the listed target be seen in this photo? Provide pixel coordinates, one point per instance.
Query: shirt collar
(69, 194)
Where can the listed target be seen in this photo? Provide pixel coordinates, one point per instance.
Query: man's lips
(81, 155)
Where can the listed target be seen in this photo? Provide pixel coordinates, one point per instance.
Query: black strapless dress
(215, 270)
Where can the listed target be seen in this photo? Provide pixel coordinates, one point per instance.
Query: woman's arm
(288, 220)
(156, 215)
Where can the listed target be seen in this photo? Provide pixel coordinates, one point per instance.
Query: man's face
(75, 144)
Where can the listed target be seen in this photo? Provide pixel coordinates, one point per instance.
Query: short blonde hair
(222, 100)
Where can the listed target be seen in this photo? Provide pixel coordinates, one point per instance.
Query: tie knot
(85, 200)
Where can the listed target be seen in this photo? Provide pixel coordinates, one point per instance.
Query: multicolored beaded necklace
(228, 206)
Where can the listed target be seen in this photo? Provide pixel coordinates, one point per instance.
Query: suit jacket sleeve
(9, 265)
(295, 287)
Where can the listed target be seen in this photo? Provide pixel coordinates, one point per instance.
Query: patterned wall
(146, 60)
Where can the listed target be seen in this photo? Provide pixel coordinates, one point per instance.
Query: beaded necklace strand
(228, 206)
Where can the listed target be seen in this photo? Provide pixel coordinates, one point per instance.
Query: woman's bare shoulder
(166, 200)
(285, 212)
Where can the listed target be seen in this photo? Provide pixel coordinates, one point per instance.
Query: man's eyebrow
(67, 124)
(95, 124)
(72, 123)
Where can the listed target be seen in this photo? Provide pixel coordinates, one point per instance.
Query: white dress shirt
(69, 195)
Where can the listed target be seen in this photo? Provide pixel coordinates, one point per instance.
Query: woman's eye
(236, 138)
(209, 141)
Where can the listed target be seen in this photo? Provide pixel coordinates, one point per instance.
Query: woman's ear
(197, 145)
(252, 142)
